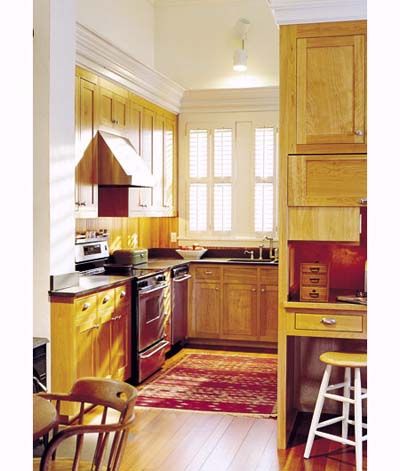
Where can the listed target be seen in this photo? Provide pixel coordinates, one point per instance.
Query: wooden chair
(94, 395)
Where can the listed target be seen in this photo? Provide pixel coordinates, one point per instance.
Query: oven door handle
(144, 291)
(182, 278)
(162, 345)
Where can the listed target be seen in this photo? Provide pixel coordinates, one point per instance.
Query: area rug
(215, 383)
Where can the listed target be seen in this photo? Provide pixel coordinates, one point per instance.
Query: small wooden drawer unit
(314, 282)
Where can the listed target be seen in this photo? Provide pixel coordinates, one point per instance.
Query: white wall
(195, 41)
(128, 24)
(53, 150)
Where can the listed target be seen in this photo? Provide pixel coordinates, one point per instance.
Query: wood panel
(206, 310)
(327, 180)
(268, 330)
(239, 315)
(324, 224)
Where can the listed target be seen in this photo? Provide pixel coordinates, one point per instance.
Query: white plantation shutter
(198, 145)
(222, 152)
(264, 158)
(222, 207)
(263, 207)
(198, 207)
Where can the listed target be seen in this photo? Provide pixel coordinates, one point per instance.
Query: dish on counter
(191, 254)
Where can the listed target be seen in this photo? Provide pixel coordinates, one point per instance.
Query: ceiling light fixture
(240, 55)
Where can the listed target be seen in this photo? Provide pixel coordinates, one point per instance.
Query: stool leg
(358, 418)
(317, 410)
(346, 405)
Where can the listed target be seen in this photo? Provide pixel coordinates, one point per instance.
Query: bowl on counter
(191, 254)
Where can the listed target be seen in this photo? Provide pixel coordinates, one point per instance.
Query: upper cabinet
(113, 108)
(326, 67)
(102, 105)
(86, 122)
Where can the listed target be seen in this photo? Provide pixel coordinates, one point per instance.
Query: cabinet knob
(143, 205)
(83, 203)
(262, 290)
(328, 321)
(122, 294)
(359, 132)
(106, 299)
(85, 306)
(253, 289)
(216, 289)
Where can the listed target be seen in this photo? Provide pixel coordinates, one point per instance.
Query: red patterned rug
(215, 383)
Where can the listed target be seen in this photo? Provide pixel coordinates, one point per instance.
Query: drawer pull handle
(96, 326)
(328, 321)
(208, 272)
(116, 318)
(85, 306)
(358, 132)
(313, 295)
(314, 280)
(106, 299)
(314, 269)
(363, 201)
(122, 294)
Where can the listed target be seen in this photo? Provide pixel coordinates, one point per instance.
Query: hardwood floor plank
(228, 445)
(269, 457)
(252, 447)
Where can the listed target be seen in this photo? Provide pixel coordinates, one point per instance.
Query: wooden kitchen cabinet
(113, 108)
(327, 180)
(231, 303)
(327, 83)
(91, 337)
(86, 159)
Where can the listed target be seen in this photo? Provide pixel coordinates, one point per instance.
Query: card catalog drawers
(314, 282)
(317, 294)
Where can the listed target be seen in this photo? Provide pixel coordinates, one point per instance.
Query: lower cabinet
(90, 336)
(234, 303)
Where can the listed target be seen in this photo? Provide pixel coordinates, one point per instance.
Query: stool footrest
(336, 397)
(335, 386)
(334, 420)
(351, 422)
(335, 438)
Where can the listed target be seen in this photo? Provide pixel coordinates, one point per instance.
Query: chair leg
(317, 410)
(358, 418)
(346, 405)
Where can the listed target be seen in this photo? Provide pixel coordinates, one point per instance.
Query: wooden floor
(180, 440)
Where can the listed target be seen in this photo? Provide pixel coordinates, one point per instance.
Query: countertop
(89, 284)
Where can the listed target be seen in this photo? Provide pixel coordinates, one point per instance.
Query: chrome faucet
(251, 252)
(261, 251)
(271, 245)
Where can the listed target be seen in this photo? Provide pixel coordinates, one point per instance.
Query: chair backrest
(100, 395)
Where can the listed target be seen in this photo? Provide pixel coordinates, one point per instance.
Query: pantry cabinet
(232, 303)
(113, 108)
(93, 337)
(328, 87)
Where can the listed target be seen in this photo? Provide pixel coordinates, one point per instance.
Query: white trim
(162, 3)
(233, 99)
(317, 11)
(99, 55)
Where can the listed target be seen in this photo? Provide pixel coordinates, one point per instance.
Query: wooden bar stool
(347, 361)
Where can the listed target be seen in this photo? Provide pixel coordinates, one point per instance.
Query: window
(230, 176)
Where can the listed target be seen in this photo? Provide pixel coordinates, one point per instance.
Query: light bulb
(240, 60)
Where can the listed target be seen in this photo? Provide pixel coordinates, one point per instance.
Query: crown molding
(317, 11)
(161, 3)
(232, 99)
(99, 55)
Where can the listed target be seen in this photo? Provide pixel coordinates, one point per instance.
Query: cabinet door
(168, 195)
(330, 91)
(206, 310)
(86, 190)
(239, 317)
(158, 160)
(119, 112)
(106, 108)
(120, 341)
(327, 180)
(146, 194)
(268, 313)
(104, 343)
(85, 337)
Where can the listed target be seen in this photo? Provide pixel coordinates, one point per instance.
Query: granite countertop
(39, 341)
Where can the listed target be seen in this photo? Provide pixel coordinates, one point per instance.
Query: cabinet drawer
(308, 279)
(105, 299)
(86, 306)
(328, 322)
(314, 268)
(209, 272)
(310, 293)
(240, 275)
(122, 295)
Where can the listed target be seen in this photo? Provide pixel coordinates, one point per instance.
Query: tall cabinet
(323, 176)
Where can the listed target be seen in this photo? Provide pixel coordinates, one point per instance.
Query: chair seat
(64, 465)
(350, 360)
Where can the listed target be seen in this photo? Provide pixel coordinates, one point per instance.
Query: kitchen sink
(254, 260)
